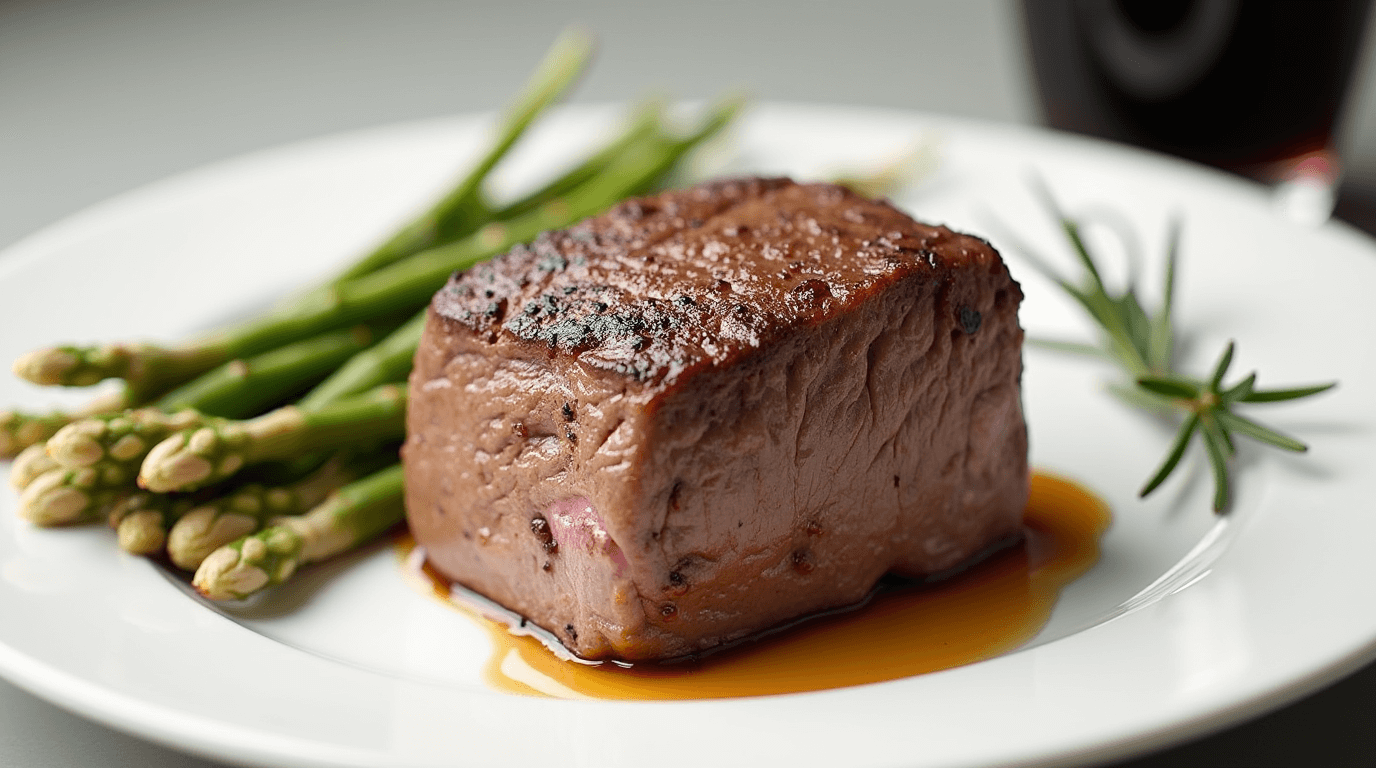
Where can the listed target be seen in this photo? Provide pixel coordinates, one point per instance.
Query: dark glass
(1251, 86)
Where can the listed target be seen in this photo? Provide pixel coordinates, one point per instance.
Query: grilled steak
(708, 412)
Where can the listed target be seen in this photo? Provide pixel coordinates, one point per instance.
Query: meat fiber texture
(707, 413)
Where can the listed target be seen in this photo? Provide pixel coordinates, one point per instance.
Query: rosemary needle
(1142, 343)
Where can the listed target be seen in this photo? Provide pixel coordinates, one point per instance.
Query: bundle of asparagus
(202, 453)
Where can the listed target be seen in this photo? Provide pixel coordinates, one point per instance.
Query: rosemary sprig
(1143, 345)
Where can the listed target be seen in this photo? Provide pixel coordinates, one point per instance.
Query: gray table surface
(97, 98)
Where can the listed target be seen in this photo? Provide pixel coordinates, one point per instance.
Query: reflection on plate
(1186, 622)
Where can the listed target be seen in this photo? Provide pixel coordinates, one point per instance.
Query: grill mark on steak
(650, 317)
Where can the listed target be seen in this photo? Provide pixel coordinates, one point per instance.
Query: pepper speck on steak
(708, 412)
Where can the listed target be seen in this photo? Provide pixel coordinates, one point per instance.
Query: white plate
(1185, 624)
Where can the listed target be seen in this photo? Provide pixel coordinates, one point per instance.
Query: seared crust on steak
(711, 411)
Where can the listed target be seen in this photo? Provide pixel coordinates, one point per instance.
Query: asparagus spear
(123, 439)
(718, 118)
(220, 521)
(387, 362)
(643, 126)
(143, 519)
(148, 370)
(352, 516)
(97, 464)
(243, 388)
(461, 210)
(19, 430)
(239, 388)
(219, 448)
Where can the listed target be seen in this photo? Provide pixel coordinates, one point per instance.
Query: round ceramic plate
(1187, 622)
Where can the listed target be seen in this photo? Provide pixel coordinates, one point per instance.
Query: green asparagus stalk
(387, 362)
(461, 211)
(148, 370)
(643, 126)
(243, 388)
(219, 448)
(211, 525)
(721, 115)
(139, 501)
(142, 517)
(28, 465)
(355, 514)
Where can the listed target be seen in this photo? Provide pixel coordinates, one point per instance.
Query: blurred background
(101, 96)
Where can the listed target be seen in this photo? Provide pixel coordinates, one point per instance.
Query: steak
(706, 413)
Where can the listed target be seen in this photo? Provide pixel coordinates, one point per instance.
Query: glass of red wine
(1249, 86)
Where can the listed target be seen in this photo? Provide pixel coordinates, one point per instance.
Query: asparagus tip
(48, 366)
(134, 502)
(225, 576)
(142, 532)
(203, 530)
(31, 463)
(49, 500)
(250, 564)
(128, 448)
(172, 465)
(77, 444)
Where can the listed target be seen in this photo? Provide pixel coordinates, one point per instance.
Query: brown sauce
(985, 611)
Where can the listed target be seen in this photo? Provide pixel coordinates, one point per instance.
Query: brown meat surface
(708, 412)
